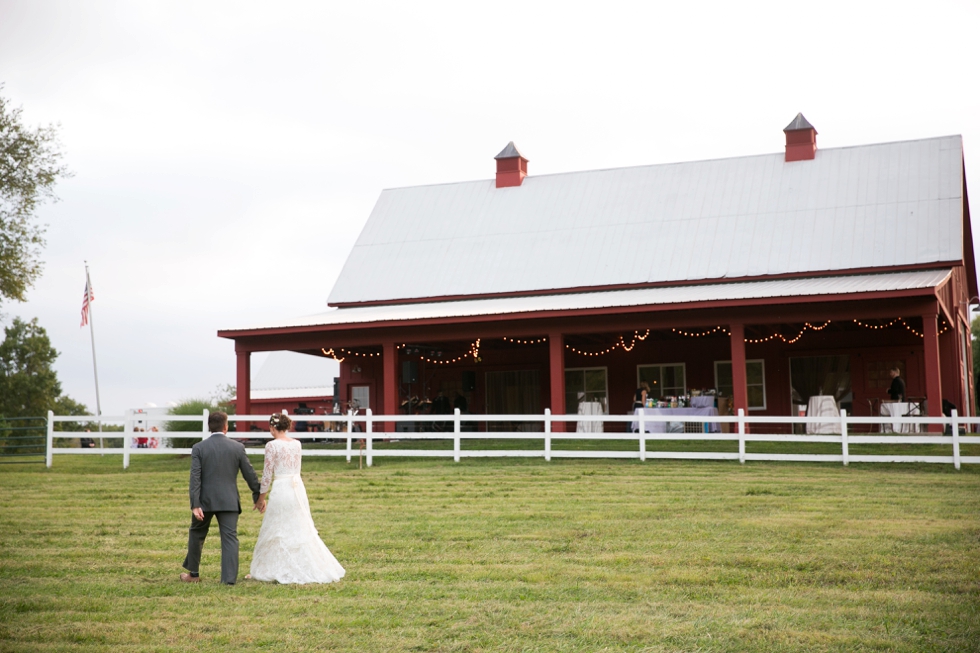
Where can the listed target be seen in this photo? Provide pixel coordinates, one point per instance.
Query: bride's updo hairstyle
(280, 422)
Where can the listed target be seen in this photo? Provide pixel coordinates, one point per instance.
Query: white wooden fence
(744, 429)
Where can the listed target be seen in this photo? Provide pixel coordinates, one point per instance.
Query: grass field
(509, 555)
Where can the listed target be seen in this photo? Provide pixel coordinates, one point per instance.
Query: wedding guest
(639, 398)
(897, 389)
(639, 401)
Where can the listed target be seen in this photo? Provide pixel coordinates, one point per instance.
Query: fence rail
(744, 429)
(21, 439)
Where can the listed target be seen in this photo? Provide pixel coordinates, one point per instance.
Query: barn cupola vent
(511, 167)
(801, 140)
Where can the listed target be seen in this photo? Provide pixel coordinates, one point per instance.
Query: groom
(215, 463)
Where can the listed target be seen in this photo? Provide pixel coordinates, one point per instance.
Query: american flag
(89, 297)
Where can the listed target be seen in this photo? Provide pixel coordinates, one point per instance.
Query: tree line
(30, 167)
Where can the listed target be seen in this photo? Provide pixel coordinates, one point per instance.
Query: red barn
(770, 278)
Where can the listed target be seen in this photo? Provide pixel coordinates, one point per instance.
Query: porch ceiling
(689, 296)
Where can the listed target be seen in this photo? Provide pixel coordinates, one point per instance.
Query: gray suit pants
(228, 527)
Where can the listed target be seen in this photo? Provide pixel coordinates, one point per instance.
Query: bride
(289, 548)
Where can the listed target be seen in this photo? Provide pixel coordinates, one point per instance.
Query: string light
(692, 334)
(945, 326)
(877, 327)
(907, 326)
(592, 353)
(474, 351)
(636, 336)
(807, 326)
(332, 354)
(357, 354)
(620, 344)
(340, 354)
(789, 341)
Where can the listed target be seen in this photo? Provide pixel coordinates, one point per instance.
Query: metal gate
(22, 439)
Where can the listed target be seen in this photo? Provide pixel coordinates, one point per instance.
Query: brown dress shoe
(187, 578)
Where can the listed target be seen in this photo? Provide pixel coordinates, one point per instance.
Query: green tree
(65, 405)
(190, 407)
(29, 386)
(30, 166)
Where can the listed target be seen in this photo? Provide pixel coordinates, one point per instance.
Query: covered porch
(767, 346)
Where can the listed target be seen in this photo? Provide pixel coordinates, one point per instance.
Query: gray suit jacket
(215, 463)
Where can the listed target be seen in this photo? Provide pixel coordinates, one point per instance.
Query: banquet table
(590, 408)
(661, 427)
(899, 409)
(704, 401)
(823, 406)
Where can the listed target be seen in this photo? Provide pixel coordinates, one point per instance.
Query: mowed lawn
(508, 555)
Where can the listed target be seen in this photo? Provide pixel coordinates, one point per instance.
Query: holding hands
(260, 505)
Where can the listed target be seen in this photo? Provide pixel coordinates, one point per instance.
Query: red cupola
(801, 140)
(511, 167)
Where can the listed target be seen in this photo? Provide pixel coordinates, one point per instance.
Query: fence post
(956, 438)
(547, 434)
(127, 437)
(741, 435)
(350, 428)
(456, 435)
(843, 436)
(49, 452)
(369, 429)
(204, 425)
(643, 438)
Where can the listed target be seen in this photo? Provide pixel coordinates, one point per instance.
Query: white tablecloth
(703, 402)
(661, 427)
(589, 408)
(899, 409)
(823, 406)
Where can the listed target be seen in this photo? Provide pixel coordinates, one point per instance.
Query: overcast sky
(227, 154)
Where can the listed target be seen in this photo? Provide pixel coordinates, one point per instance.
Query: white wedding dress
(289, 548)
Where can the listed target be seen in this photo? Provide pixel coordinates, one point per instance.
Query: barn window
(585, 384)
(755, 377)
(668, 380)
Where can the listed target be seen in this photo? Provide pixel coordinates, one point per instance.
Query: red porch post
(740, 388)
(389, 360)
(969, 380)
(556, 365)
(934, 387)
(243, 388)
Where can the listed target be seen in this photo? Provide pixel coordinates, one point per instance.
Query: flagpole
(95, 367)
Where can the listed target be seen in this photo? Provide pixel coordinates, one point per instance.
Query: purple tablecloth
(661, 427)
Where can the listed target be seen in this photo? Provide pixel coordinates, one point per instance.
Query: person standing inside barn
(896, 391)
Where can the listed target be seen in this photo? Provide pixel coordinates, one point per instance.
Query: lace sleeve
(268, 467)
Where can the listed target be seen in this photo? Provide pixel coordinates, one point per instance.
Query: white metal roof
(286, 374)
(849, 208)
(811, 287)
(292, 393)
